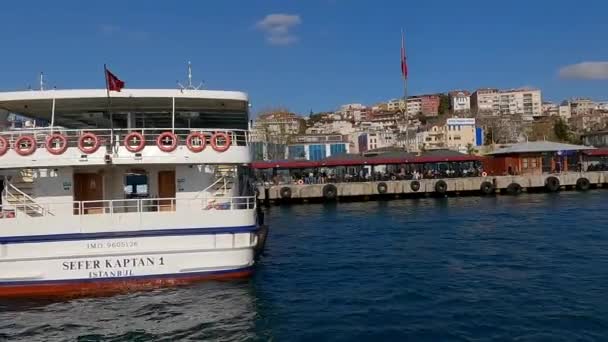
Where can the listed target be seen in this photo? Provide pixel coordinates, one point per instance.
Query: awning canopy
(152, 107)
(538, 147)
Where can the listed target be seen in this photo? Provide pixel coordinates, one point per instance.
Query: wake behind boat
(148, 189)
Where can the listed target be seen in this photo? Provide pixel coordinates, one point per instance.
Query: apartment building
(524, 102)
(276, 127)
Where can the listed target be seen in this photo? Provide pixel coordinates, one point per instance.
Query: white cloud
(277, 28)
(585, 71)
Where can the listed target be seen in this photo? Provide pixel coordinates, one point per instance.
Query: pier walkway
(490, 185)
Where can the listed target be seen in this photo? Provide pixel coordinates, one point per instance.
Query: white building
(460, 101)
(353, 111)
(565, 111)
(368, 141)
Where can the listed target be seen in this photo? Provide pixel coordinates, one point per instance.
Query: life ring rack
(136, 137)
(190, 140)
(31, 145)
(88, 143)
(4, 146)
(63, 143)
(166, 137)
(214, 140)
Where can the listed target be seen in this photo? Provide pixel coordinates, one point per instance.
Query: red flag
(403, 58)
(113, 83)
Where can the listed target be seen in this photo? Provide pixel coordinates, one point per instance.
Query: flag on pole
(113, 83)
(403, 58)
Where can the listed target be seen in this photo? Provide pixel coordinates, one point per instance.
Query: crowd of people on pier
(361, 174)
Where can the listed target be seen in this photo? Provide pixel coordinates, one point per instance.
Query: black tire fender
(285, 192)
(330, 192)
(415, 186)
(487, 188)
(441, 187)
(514, 189)
(583, 184)
(382, 188)
(552, 184)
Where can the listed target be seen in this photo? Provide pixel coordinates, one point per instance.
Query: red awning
(600, 152)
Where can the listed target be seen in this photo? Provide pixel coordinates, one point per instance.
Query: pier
(508, 185)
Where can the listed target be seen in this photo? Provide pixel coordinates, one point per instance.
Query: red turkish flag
(113, 83)
(404, 70)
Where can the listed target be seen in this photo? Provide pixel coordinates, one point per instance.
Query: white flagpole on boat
(109, 103)
(53, 112)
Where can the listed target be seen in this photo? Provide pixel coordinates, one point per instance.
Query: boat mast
(189, 85)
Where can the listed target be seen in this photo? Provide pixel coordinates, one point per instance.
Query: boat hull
(102, 266)
(107, 286)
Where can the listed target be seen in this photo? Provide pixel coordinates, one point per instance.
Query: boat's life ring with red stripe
(484, 174)
(88, 143)
(29, 144)
(196, 142)
(4, 146)
(134, 142)
(216, 137)
(56, 143)
(167, 142)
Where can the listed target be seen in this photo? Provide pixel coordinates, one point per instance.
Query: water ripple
(527, 268)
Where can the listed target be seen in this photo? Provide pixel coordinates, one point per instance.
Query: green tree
(444, 104)
(471, 150)
(561, 130)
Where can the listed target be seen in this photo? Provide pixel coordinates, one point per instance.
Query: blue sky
(317, 54)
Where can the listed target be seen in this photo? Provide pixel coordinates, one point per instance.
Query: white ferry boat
(146, 188)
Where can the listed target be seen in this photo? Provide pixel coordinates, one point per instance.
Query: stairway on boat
(224, 181)
(18, 193)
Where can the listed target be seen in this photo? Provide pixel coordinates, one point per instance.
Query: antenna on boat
(190, 85)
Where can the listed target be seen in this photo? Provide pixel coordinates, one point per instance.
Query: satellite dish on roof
(190, 85)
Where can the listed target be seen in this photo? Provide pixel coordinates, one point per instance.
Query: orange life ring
(214, 139)
(300, 182)
(484, 174)
(61, 139)
(88, 143)
(164, 137)
(134, 137)
(4, 146)
(196, 148)
(31, 143)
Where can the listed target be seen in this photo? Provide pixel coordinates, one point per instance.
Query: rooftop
(80, 108)
(539, 146)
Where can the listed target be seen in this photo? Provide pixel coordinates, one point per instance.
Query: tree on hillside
(444, 104)
(561, 130)
(471, 150)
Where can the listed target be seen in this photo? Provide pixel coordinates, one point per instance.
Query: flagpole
(109, 104)
(404, 78)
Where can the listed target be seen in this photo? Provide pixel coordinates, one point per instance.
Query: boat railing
(40, 135)
(125, 206)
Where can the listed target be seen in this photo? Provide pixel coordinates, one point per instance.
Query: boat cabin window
(136, 185)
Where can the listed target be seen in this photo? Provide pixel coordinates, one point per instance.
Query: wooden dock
(489, 185)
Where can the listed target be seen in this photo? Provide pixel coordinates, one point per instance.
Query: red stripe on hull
(109, 287)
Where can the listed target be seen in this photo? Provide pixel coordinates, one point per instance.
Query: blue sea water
(527, 268)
